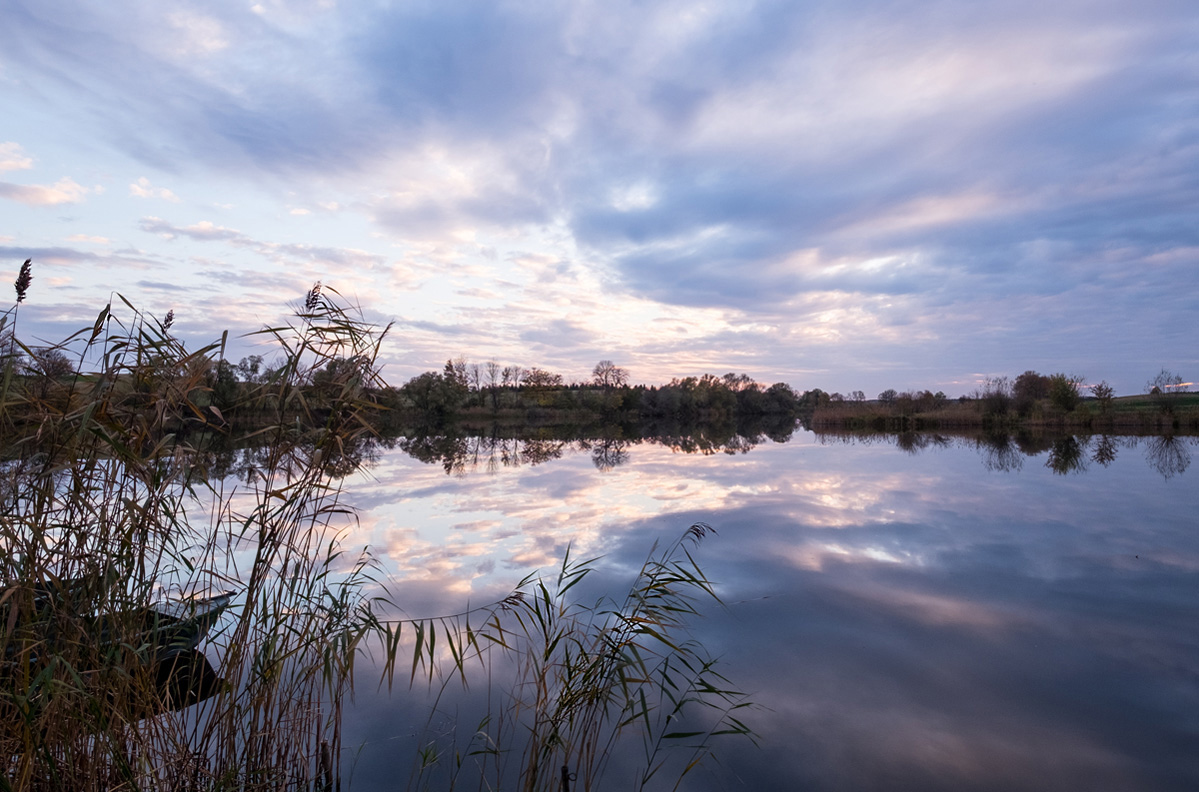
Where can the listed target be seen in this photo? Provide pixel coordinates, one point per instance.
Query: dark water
(941, 615)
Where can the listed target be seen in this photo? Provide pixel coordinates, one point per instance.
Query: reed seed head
(314, 295)
(24, 278)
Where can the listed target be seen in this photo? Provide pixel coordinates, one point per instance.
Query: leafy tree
(250, 369)
(222, 380)
(434, 394)
(1103, 393)
(1029, 388)
(455, 371)
(1063, 391)
(739, 382)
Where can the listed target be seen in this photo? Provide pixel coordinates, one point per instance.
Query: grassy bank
(1176, 413)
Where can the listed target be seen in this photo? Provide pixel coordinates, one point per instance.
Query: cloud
(143, 189)
(64, 191)
(204, 231)
(207, 231)
(558, 334)
(12, 157)
(886, 184)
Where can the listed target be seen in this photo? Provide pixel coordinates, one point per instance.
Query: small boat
(163, 637)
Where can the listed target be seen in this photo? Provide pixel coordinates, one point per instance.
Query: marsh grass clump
(161, 629)
(103, 518)
(591, 682)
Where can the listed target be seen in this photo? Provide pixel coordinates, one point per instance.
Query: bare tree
(1165, 385)
(607, 374)
(540, 378)
(493, 380)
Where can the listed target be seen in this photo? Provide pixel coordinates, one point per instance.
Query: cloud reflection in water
(911, 621)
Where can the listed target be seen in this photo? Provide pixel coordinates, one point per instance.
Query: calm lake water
(945, 617)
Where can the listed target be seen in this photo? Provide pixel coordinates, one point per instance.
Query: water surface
(936, 614)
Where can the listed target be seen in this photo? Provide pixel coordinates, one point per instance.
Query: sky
(854, 195)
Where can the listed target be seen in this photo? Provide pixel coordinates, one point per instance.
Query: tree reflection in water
(609, 454)
(1066, 455)
(1105, 451)
(1168, 455)
(610, 447)
(1000, 453)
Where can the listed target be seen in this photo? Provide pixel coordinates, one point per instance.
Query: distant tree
(858, 396)
(540, 378)
(1063, 391)
(812, 399)
(455, 371)
(1168, 382)
(607, 374)
(51, 363)
(888, 396)
(435, 395)
(1029, 388)
(222, 380)
(781, 398)
(249, 368)
(45, 368)
(343, 376)
(494, 371)
(1163, 387)
(739, 382)
(1031, 385)
(995, 395)
(1103, 393)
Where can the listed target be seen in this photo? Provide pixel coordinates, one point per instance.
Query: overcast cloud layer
(839, 195)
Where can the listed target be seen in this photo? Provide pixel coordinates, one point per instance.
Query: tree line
(466, 389)
(1029, 399)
